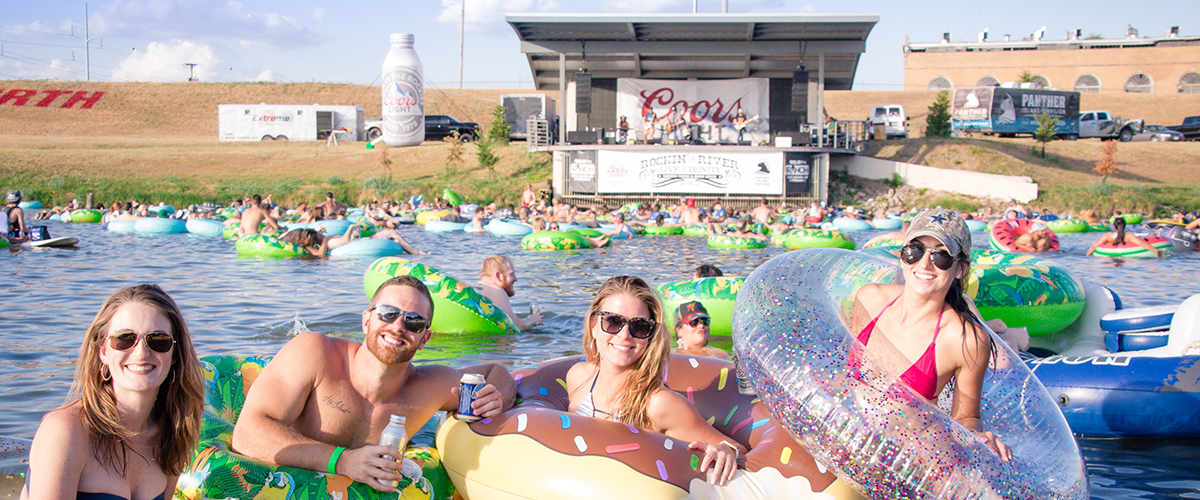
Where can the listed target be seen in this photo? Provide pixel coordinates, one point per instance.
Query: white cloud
(57, 69)
(265, 75)
(202, 20)
(487, 16)
(644, 6)
(164, 62)
(319, 14)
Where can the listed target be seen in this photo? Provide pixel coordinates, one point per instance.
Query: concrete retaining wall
(1019, 188)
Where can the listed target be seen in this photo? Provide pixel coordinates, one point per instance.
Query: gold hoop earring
(105, 375)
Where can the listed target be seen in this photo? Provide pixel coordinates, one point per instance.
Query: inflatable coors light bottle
(403, 94)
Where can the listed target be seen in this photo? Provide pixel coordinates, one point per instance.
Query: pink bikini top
(922, 375)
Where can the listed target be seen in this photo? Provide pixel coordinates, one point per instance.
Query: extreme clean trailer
(519, 108)
(1012, 111)
(284, 122)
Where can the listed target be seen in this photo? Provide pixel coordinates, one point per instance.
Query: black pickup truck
(1190, 128)
(436, 127)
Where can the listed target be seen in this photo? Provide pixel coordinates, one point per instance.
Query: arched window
(1041, 81)
(1190, 83)
(1087, 83)
(1139, 82)
(940, 83)
(987, 81)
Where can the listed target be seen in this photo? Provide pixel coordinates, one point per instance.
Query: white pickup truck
(1104, 125)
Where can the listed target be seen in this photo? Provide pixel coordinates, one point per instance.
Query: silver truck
(1107, 127)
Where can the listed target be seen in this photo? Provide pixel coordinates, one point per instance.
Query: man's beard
(388, 355)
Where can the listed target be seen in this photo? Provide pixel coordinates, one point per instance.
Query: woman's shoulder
(578, 373)
(875, 293)
(63, 429)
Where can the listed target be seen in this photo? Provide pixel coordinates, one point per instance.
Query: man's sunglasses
(639, 328)
(123, 340)
(699, 321)
(413, 322)
(911, 254)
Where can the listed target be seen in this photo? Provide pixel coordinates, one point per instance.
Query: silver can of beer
(471, 383)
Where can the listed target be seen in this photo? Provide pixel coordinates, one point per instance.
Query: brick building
(1165, 65)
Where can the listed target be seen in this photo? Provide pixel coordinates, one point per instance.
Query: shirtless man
(1035, 240)
(763, 214)
(690, 214)
(254, 216)
(496, 282)
(691, 332)
(331, 205)
(528, 198)
(323, 402)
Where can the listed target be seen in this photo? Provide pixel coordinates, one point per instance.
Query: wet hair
(1119, 226)
(539, 224)
(494, 264)
(177, 409)
(631, 404)
(659, 219)
(411, 282)
(708, 271)
(257, 200)
(302, 237)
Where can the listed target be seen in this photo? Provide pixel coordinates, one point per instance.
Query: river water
(252, 307)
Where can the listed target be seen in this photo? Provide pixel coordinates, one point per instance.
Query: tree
(499, 130)
(1045, 132)
(1026, 77)
(1108, 160)
(937, 124)
(486, 154)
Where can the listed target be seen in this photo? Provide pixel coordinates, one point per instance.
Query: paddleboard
(61, 241)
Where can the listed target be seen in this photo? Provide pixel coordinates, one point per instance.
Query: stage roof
(701, 46)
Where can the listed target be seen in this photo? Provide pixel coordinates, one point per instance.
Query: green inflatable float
(817, 238)
(554, 240)
(451, 197)
(217, 472)
(457, 307)
(264, 245)
(717, 293)
(1025, 290)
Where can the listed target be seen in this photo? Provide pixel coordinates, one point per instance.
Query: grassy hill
(151, 140)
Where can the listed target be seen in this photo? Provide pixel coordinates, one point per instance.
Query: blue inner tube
(30, 204)
(122, 226)
(152, 225)
(441, 226)
(331, 227)
(368, 247)
(204, 227)
(501, 227)
(848, 224)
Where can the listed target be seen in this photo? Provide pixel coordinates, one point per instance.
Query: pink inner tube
(1004, 233)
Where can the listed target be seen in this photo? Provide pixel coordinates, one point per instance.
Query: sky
(305, 40)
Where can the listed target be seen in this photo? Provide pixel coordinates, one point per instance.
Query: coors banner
(672, 109)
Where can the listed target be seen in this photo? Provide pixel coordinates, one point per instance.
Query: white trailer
(284, 122)
(519, 108)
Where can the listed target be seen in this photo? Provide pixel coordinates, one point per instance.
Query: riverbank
(157, 142)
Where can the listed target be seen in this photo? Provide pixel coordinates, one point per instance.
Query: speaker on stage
(800, 91)
(583, 92)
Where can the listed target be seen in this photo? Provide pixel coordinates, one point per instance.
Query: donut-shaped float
(623, 234)
(457, 307)
(86, 215)
(1006, 231)
(790, 334)
(888, 224)
(1025, 290)
(563, 455)
(332, 227)
(162, 211)
(717, 293)
(726, 241)
(155, 225)
(368, 247)
(554, 240)
(817, 238)
(217, 472)
(29, 205)
(1068, 226)
(204, 227)
(1130, 250)
(778, 237)
(1130, 219)
(590, 233)
(230, 231)
(976, 225)
(849, 224)
(502, 227)
(429, 215)
(567, 226)
(662, 231)
(121, 226)
(442, 226)
(366, 228)
(4, 243)
(264, 245)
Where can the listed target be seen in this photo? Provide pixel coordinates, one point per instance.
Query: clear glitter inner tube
(851, 412)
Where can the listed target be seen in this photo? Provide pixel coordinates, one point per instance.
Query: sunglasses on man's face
(413, 322)
(639, 328)
(699, 321)
(123, 340)
(911, 254)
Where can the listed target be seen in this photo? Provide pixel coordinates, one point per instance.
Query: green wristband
(337, 453)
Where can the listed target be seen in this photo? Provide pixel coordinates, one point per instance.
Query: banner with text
(674, 106)
(797, 170)
(581, 172)
(686, 172)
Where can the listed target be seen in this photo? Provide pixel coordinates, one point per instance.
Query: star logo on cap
(939, 218)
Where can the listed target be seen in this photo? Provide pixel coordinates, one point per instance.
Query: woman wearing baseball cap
(927, 322)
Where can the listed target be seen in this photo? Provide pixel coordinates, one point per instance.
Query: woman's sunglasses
(639, 328)
(413, 322)
(123, 340)
(911, 254)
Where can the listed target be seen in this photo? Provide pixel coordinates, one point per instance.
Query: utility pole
(191, 71)
(87, 46)
(462, 34)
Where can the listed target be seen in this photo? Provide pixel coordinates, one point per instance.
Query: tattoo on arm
(335, 404)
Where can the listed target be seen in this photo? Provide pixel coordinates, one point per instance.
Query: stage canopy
(701, 46)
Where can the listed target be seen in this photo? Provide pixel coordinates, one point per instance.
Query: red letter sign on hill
(21, 96)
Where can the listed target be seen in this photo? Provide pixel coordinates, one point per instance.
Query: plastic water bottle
(396, 436)
(533, 306)
(403, 94)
